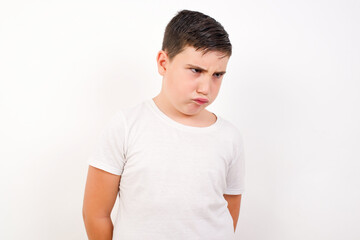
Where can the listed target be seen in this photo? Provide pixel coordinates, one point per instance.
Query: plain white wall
(292, 88)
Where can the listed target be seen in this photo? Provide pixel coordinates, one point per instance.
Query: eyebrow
(197, 67)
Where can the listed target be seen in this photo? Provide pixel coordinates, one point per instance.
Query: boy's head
(195, 52)
(195, 29)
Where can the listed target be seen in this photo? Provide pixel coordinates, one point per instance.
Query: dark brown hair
(192, 28)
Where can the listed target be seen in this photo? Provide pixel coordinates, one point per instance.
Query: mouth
(201, 100)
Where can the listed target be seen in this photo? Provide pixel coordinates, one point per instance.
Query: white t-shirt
(173, 176)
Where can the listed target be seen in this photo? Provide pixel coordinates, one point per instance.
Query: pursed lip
(203, 100)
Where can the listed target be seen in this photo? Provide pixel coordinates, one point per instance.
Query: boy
(178, 168)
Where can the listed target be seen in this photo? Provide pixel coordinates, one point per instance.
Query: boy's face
(191, 75)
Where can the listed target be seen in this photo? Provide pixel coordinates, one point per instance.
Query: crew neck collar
(150, 103)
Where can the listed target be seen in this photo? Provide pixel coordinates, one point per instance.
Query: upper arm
(100, 192)
(234, 201)
(235, 178)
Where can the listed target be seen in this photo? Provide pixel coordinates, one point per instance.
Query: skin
(181, 83)
(100, 195)
(234, 202)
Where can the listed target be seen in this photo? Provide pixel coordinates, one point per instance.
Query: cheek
(188, 85)
(185, 81)
(218, 83)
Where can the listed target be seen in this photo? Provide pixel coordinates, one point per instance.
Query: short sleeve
(109, 151)
(235, 179)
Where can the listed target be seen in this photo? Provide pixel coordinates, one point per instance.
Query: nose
(204, 85)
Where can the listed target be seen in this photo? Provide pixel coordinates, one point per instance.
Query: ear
(162, 61)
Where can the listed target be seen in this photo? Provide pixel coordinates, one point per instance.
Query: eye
(218, 75)
(194, 70)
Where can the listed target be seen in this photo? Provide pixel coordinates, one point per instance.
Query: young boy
(179, 169)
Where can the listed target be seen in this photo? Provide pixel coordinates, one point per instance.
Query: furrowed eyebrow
(197, 67)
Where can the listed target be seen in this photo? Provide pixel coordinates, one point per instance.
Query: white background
(292, 89)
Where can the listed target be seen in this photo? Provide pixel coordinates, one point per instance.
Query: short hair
(195, 29)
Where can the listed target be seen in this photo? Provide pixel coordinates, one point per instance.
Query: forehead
(193, 56)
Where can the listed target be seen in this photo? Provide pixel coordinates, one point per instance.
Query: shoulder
(232, 134)
(133, 110)
(230, 127)
(120, 118)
